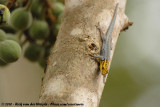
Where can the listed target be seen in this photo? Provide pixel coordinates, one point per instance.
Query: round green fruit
(21, 19)
(4, 14)
(33, 52)
(10, 51)
(36, 8)
(58, 8)
(13, 37)
(2, 35)
(39, 29)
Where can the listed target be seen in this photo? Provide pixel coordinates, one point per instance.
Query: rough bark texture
(72, 75)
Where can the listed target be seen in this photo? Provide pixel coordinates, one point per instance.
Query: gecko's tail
(111, 26)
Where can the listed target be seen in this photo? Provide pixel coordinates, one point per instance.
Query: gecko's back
(107, 38)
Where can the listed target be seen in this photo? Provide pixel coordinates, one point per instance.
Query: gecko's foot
(100, 30)
(92, 56)
(98, 27)
(97, 58)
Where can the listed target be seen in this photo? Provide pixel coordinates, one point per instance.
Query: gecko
(106, 45)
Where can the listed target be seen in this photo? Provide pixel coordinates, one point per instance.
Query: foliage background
(133, 80)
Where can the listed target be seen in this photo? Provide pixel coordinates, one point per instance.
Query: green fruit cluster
(10, 50)
(57, 11)
(30, 25)
(33, 52)
(39, 29)
(37, 8)
(21, 19)
(58, 8)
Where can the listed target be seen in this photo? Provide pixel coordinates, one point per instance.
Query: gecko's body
(107, 45)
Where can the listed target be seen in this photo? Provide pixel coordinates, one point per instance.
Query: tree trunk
(72, 76)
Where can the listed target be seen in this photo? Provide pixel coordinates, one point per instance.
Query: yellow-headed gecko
(106, 45)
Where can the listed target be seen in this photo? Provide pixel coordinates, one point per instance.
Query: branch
(72, 76)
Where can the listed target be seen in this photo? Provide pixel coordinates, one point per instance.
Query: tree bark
(72, 76)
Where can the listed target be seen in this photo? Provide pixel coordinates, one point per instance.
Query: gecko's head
(104, 66)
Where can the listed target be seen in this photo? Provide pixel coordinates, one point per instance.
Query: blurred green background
(134, 78)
